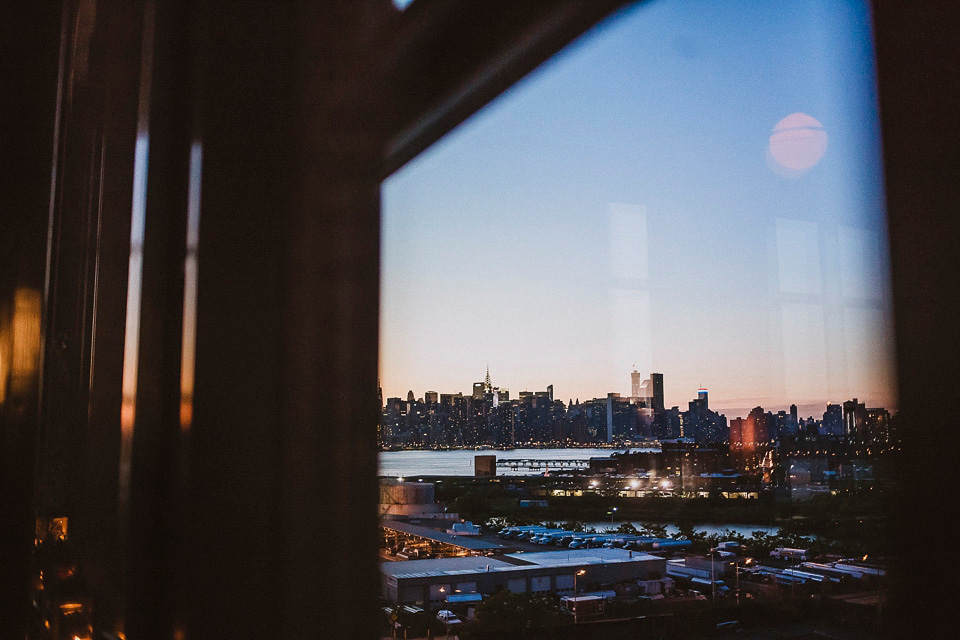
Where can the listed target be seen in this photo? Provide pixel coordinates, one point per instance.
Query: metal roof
(442, 566)
(464, 542)
(530, 562)
(578, 557)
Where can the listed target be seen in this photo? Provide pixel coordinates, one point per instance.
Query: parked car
(448, 617)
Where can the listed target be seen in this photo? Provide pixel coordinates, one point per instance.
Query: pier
(536, 464)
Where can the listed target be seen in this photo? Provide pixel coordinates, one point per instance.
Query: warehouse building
(428, 583)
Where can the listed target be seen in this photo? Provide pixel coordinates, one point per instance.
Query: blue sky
(618, 208)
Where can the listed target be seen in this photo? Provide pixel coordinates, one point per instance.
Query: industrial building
(409, 499)
(401, 535)
(428, 583)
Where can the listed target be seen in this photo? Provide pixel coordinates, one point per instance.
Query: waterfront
(459, 462)
(416, 464)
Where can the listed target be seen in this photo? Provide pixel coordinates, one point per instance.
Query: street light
(713, 581)
(613, 510)
(736, 566)
(576, 603)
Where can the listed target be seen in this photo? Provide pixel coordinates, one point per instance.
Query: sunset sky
(631, 204)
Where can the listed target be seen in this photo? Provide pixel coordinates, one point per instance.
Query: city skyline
(690, 189)
(721, 405)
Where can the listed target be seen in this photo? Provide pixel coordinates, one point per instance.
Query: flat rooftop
(579, 557)
(464, 542)
(513, 562)
(442, 566)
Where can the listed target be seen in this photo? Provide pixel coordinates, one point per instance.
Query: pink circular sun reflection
(797, 143)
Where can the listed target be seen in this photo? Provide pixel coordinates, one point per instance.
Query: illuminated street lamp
(576, 603)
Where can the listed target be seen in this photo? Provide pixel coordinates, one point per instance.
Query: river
(414, 464)
(459, 462)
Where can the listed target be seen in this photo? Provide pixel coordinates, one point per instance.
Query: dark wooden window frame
(302, 109)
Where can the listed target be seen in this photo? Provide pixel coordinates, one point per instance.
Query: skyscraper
(650, 391)
(833, 420)
(854, 415)
(736, 433)
(755, 430)
(656, 381)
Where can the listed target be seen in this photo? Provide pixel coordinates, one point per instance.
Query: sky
(634, 203)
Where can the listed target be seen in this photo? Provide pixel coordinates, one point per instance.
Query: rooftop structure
(426, 533)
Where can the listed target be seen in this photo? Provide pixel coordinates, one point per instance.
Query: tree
(627, 527)
(730, 534)
(472, 506)
(512, 615)
(687, 532)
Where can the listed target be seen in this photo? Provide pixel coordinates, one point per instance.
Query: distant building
(484, 466)
(755, 431)
(414, 499)
(656, 384)
(877, 425)
(854, 417)
(448, 398)
(736, 433)
(702, 424)
(649, 392)
(832, 420)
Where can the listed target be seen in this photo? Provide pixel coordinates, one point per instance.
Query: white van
(448, 617)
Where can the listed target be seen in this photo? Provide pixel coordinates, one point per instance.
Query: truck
(552, 538)
(704, 585)
(671, 544)
(565, 541)
(511, 533)
(532, 536)
(582, 606)
(791, 554)
(466, 528)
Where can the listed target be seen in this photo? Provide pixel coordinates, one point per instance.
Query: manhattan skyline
(624, 207)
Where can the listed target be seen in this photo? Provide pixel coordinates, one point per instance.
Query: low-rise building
(429, 583)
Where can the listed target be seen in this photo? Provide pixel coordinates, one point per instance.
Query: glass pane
(668, 241)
